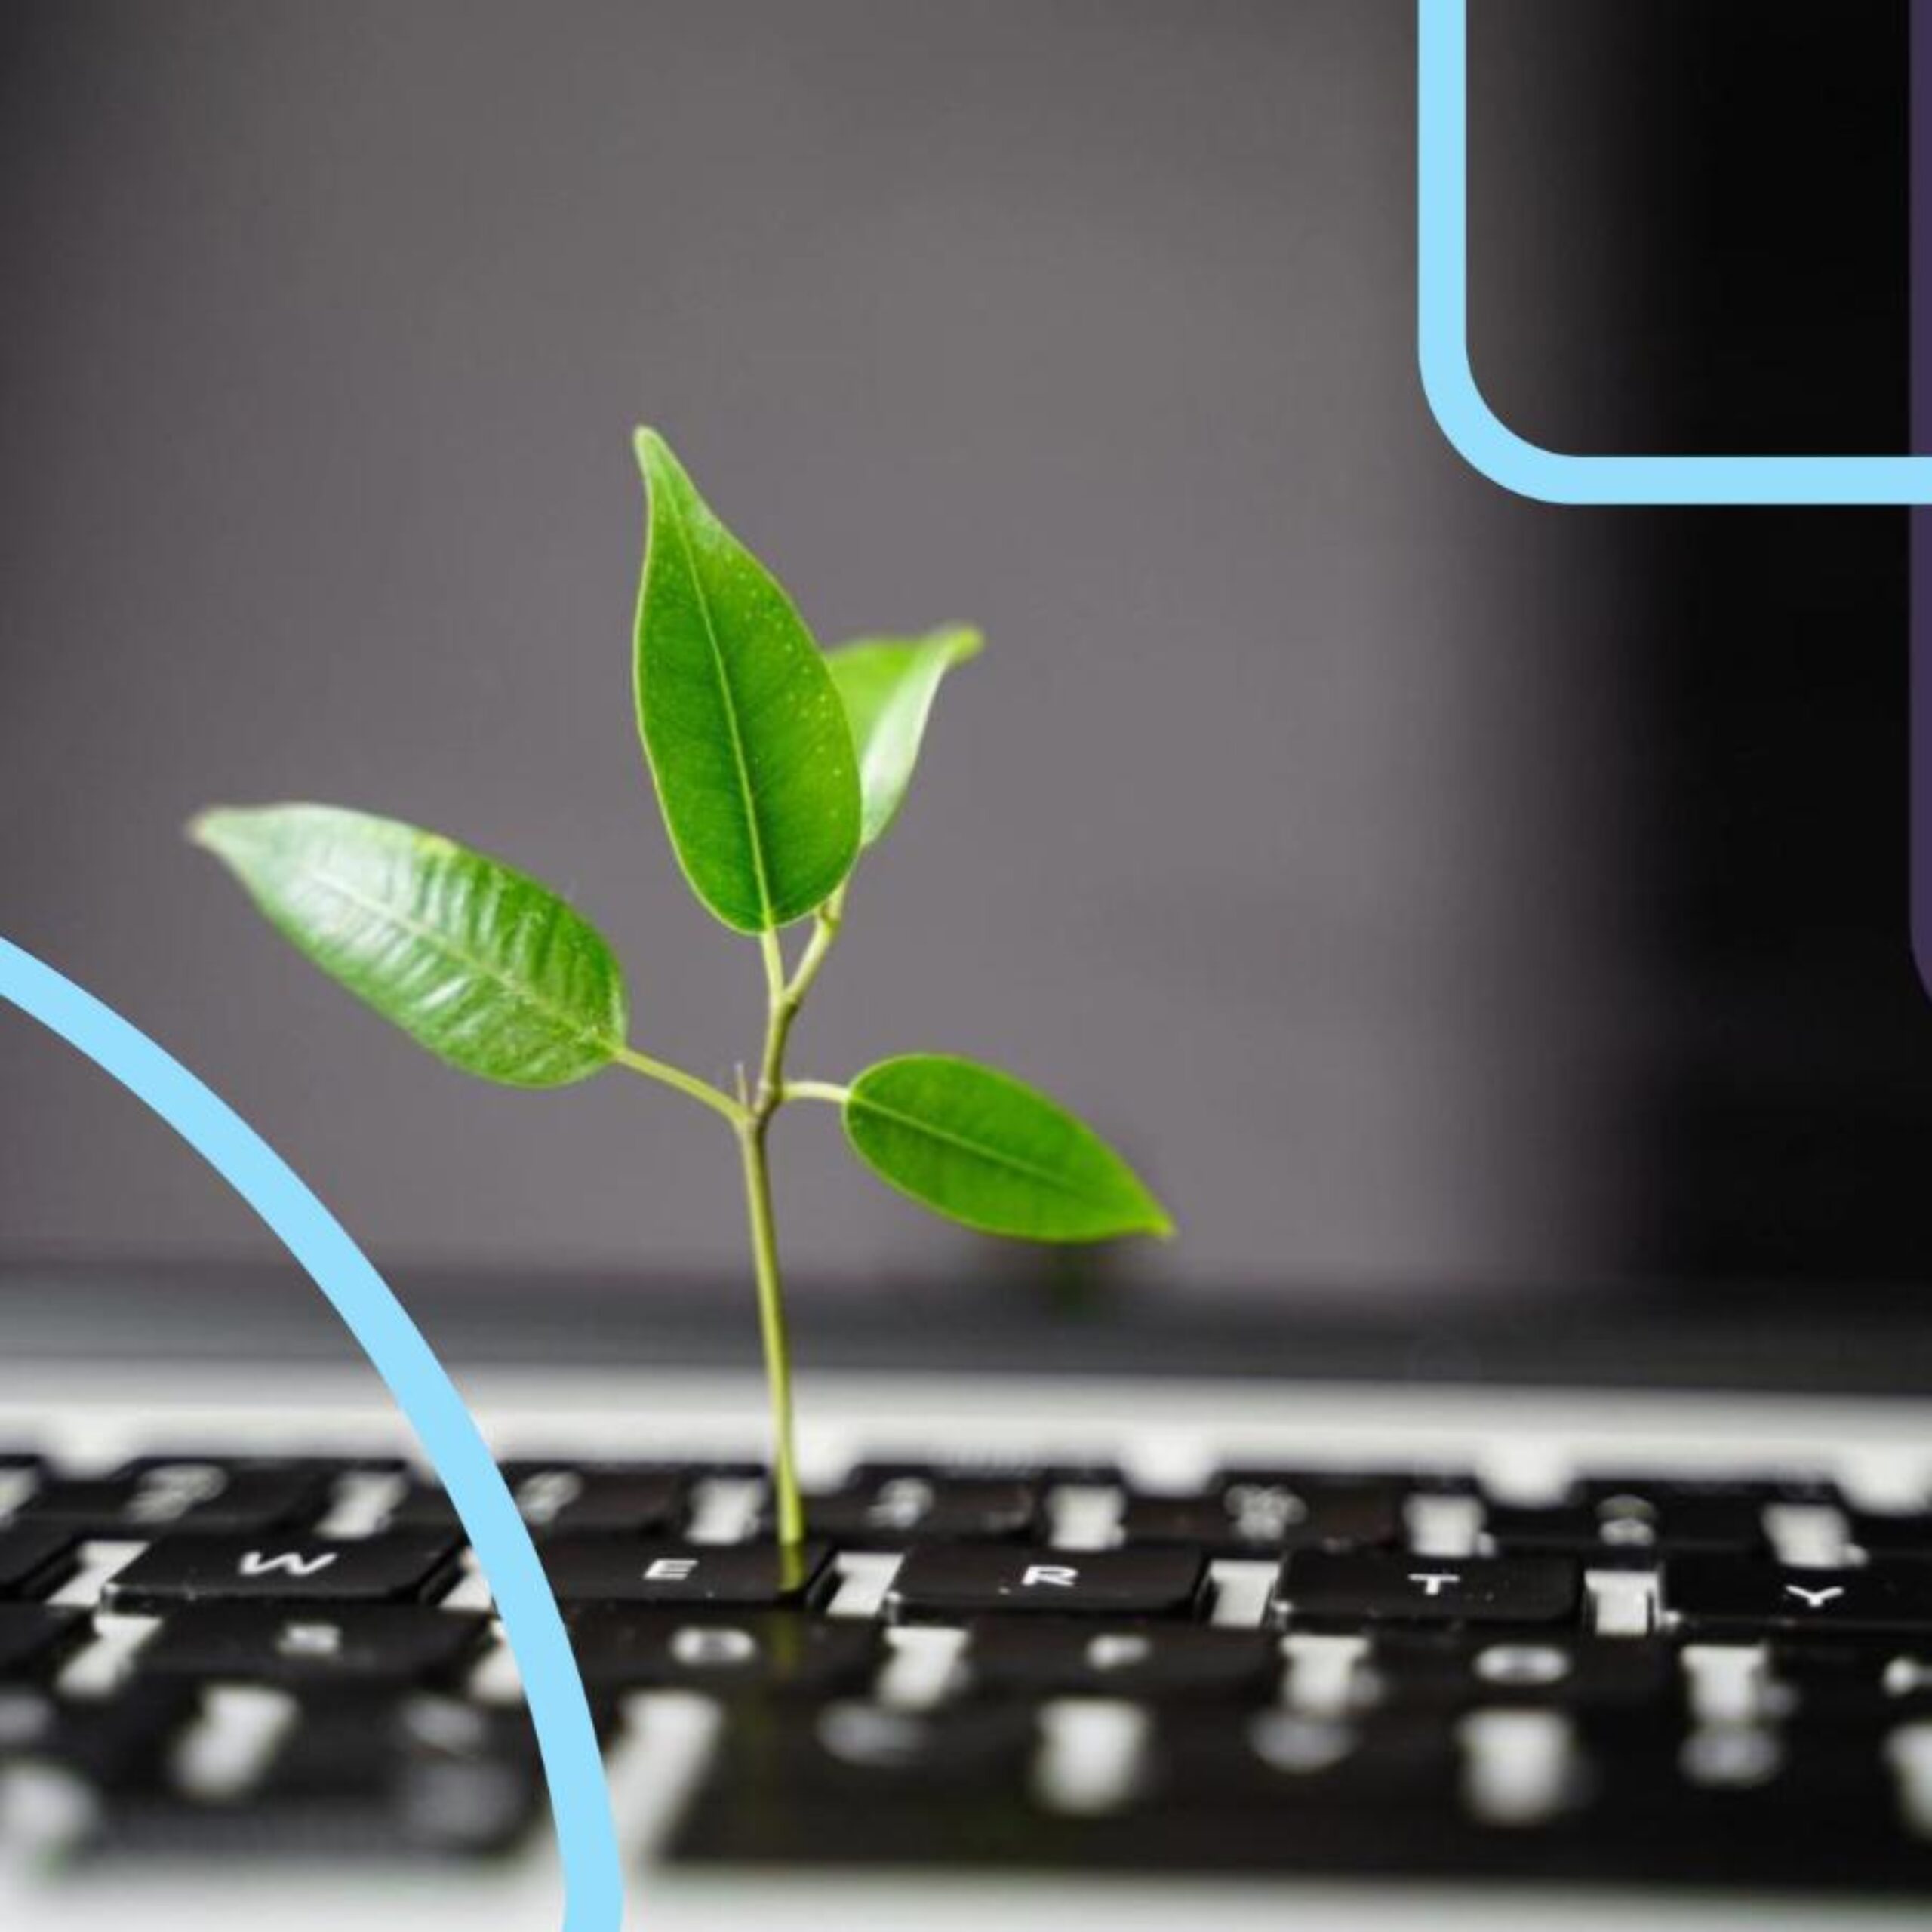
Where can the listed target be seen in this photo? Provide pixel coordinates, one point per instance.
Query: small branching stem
(785, 995)
(689, 1084)
(750, 1114)
(817, 1090)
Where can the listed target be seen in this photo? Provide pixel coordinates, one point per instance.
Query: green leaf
(888, 685)
(746, 739)
(981, 1148)
(489, 970)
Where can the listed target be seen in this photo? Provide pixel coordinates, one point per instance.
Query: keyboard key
(34, 1640)
(108, 1743)
(599, 1497)
(1813, 1682)
(1039, 1476)
(35, 1558)
(773, 1654)
(1712, 1596)
(1260, 1515)
(1330, 1589)
(558, 1499)
(465, 1780)
(150, 1496)
(1146, 1663)
(616, 1570)
(360, 1776)
(357, 1645)
(1286, 1759)
(861, 1745)
(855, 1784)
(422, 1506)
(1665, 1493)
(1278, 1790)
(888, 1511)
(946, 1582)
(1395, 1484)
(390, 1568)
(1885, 1534)
(1624, 1527)
(1218, 1792)
(1451, 1671)
(1746, 1805)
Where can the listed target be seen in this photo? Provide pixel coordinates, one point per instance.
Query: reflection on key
(697, 1647)
(873, 1738)
(1908, 1751)
(1093, 1755)
(1443, 1525)
(1285, 1741)
(1732, 1757)
(1520, 1767)
(1521, 1666)
(1728, 1684)
(224, 1754)
(1325, 1673)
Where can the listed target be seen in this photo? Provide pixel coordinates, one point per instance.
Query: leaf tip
(1148, 1216)
(962, 643)
(213, 828)
(652, 452)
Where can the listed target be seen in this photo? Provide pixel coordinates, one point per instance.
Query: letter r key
(941, 1581)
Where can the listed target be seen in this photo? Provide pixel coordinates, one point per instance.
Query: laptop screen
(1428, 889)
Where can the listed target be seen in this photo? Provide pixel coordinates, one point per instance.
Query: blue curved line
(1476, 430)
(579, 1800)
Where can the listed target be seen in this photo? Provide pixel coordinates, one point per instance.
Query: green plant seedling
(777, 766)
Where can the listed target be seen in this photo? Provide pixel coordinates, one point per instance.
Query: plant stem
(784, 996)
(787, 996)
(816, 1089)
(789, 1506)
(689, 1084)
(826, 923)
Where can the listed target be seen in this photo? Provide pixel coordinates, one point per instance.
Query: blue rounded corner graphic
(593, 1879)
(1487, 443)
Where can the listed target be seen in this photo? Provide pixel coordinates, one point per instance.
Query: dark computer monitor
(1437, 893)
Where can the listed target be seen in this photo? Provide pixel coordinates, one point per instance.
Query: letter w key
(402, 1567)
(288, 1563)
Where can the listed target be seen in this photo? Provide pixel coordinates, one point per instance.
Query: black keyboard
(1643, 1681)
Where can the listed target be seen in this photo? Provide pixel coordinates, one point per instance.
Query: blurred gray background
(1288, 826)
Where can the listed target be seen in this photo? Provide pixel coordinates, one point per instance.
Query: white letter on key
(287, 1564)
(1059, 1575)
(1814, 1599)
(669, 1569)
(1433, 1582)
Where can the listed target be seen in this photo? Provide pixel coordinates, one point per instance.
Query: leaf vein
(754, 825)
(995, 1156)
(439, 940)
